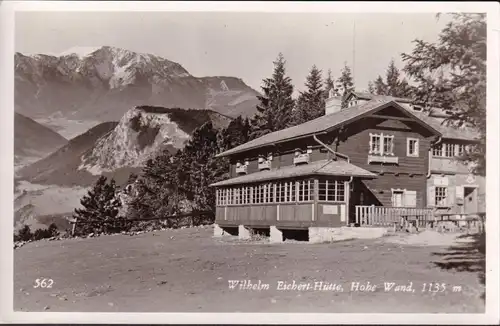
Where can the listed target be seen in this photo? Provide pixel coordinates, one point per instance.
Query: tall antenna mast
(354, 52)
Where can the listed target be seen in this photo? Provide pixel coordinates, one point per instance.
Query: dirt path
(189, 271)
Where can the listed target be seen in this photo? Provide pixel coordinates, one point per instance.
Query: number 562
(43, 283)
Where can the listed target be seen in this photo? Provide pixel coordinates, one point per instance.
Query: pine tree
(460, 51)
(276, 105)
(157, 190)
(100, 208)
(329, 83)
(392, 79)
(346, 83)
(311, 103)
(393, 85)
(371, 88)
(236, 133)
(380, 86)
(205, 168)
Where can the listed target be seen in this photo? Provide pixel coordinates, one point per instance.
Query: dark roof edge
(357, 117)
(313, 173)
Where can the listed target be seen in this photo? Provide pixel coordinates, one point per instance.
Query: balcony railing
(242, 169)
(301, 159)
(385, 216)
(265, 165)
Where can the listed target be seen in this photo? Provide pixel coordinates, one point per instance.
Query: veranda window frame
(334, 191)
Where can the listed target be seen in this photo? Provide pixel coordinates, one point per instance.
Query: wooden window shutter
(371, 144)
(431, 196)
(450, 196)
(459, 193)
(410, 198)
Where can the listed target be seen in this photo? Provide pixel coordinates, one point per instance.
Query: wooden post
(73, 228)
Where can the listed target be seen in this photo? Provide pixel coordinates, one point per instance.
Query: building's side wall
(410, 172)
(455, 202)
(334, 214)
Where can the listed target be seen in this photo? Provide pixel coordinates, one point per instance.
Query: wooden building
(325, 172)
(451, 187)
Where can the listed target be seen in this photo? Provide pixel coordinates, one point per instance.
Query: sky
(239, 44)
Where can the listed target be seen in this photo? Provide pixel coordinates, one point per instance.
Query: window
(388, 145)
(441, 196)
(285, 192)
(417, 108)
(381, 144)
(237, 196)
(244, 195)
(374, 144)
(331, 190)
(268, 193)
(449, 150)
(437, 151)
(412, 147)
(256, 194)
(460, 150)
(291, 192)
(306, 188)
(261, 193)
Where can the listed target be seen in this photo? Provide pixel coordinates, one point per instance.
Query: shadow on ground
(466, 257)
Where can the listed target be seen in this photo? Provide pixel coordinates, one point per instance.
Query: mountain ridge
(117, 148)
(99, 84)
(33, 140)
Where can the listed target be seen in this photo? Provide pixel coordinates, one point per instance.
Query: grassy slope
(188, 271)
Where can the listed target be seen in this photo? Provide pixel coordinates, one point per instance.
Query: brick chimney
(334, 102)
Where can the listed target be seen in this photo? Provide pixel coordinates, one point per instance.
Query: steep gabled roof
(435, 117)
(450, 132)
(324, 124)
(323, 167)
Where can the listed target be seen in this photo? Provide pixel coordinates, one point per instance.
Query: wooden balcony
(387, 216)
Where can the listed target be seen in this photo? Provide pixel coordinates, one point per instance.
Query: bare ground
(187, 270)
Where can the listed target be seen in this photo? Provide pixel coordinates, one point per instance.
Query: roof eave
(361, 176)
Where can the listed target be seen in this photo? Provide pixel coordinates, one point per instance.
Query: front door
(470, 200)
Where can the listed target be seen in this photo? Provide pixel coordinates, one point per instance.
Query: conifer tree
(236, 133)
(460, 54)
(393, 85)
(100, 208)
(380, 86)
(371, 88)
(329, 83)
(311, 103)
(276, 105)
(346, 83)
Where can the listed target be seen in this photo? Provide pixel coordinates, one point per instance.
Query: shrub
(25, 233)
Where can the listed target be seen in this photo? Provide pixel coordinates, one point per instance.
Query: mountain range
(101, 84)
(116, 109)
